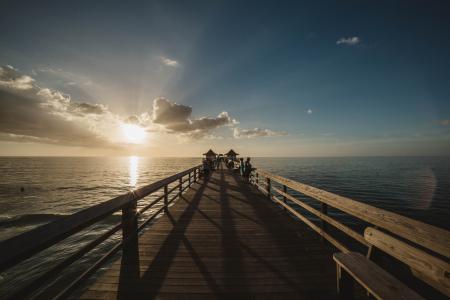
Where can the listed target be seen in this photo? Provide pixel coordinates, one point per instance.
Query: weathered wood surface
(431, 237)
(221, 239)
(436, 270)
(377, 281)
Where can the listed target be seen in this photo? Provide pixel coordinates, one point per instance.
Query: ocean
(38, 190)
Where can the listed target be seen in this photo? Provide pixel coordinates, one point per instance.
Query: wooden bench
(378, 282)
(374, 279)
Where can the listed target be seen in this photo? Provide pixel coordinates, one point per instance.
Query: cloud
(11, 78)
(256, 132)
(31, 113)
(349, 41)
(169, 62)
(176, 118)
(167, 112)
(309, 111)
(69, 78)
(444, 122)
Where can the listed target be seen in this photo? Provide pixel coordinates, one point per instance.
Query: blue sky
(318, 77)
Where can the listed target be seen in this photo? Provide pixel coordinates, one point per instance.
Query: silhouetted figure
(206, 167)
(241, 166)
(247, 169)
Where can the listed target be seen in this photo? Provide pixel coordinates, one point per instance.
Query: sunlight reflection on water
(133, 170)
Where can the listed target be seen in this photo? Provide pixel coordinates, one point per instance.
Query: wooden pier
(218, 236)
(222, 239)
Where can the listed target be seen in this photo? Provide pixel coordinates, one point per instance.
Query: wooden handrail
(324, 217)
(428, 236)
(23, 246)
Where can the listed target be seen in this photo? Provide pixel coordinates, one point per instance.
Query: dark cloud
(166, 112)
(176, 118)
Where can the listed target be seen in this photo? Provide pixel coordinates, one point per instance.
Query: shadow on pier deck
(221, 239)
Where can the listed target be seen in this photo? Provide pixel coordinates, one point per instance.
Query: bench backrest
(429, 268)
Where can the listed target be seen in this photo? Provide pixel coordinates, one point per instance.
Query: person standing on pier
(241, 166)
(247, 169)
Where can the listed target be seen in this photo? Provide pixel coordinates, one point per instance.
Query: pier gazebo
(210, 155)
(231, 154)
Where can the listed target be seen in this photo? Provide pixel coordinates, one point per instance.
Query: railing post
(129, 220)
(284, 197)
(257, 178)
(268, 187)
(130, 242)
(189, 179)
(181, 187)
(324, 210)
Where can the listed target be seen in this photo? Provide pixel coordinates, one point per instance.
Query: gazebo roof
(231, 153)
(209, 153)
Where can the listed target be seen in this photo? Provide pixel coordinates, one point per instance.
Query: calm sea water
(417, 187)
(35, 191)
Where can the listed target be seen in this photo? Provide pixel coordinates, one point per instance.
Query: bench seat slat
(377, 281)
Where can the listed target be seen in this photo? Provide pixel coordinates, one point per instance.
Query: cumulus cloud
(445, 122)
(349, 41)
(169, 62)
(11, 78)
(167, 112)
(256, 132)
(176, 118)
(31, 113)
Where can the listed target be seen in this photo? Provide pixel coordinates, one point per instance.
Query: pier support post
(257, 178)
(268, 188)
(129, 220)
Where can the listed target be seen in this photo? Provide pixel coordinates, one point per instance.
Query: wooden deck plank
(221, 239)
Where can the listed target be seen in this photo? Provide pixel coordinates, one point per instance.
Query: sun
(133, 134)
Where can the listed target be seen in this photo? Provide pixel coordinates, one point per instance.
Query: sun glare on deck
(133, 133)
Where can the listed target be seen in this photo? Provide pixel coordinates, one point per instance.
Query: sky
(266, 78)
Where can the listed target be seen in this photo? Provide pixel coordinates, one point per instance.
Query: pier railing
(19, 248)
(424, 248)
